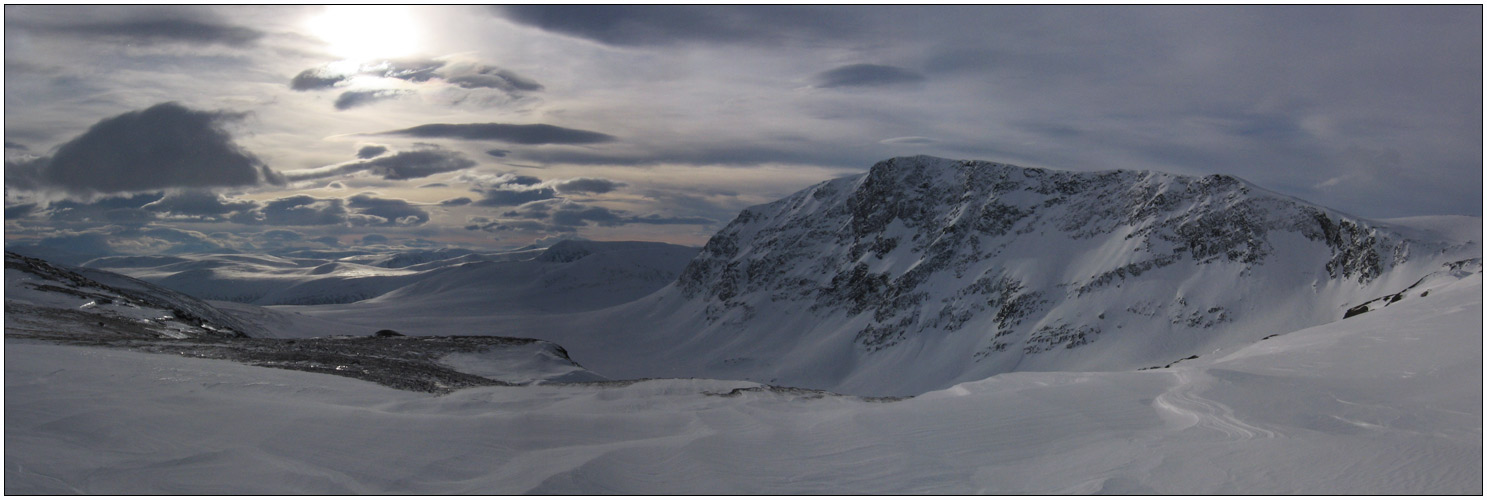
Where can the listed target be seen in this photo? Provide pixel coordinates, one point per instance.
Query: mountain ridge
(969, 268)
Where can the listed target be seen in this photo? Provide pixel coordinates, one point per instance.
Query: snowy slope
(570, 276)
(925, 272)
(41, 298)
(1388, 402)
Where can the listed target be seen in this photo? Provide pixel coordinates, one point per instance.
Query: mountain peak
(1003, 267)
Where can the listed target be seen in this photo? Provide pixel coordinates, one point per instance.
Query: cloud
(866, 75)
(355, 98)
(159, 31)
(326, 77)
(518, 134)
(503, 197)
(463, 75)
(198, 203)
(911, 140)
(15, 145)
(280, 235)
(574, 214)
(413, 70)
(19, 211)
(163, 146)
(670, 24)
(520, 180)
(393, 211)
(371, 151)
(401, 166)
(316, 79)
(472, 76)
(453, 202)
(587, 185)
(374, 239)
(660, 220)
(108, 210)
(298, 210)
(498, 153)
(565, 215)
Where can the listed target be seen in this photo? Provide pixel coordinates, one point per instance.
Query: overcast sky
(177, 129)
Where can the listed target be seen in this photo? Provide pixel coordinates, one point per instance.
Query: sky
(170, 129)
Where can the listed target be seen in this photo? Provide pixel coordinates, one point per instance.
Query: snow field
(1384, 403)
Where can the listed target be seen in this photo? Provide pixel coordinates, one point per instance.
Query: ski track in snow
(1185, 405)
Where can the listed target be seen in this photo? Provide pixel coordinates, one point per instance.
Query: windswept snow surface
(1389, 402)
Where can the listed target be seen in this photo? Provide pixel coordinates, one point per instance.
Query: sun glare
(362, 32)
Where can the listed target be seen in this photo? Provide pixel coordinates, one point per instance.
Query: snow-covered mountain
(925, 272)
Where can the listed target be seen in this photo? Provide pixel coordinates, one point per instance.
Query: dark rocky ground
(408, 363)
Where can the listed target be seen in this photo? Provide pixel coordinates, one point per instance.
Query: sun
(361, 32)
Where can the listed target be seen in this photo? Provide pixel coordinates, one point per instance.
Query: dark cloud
(522, 180)
(164, 146)
(866, 75)
(298, 210)
(374, 239)
(19, 211)
(498, 153)
(24, 174)
(372, 151)
(114, 209)
(664, 25)
(564, 215)
(434, 185)
(453, 202)
(160, 31)
(574, 214)
(518, 134)
(413, 70)
(196, 203)
(501, 197)
(355, 98)
(463, 75)
(325, 78)
(393, 211)
(139, 200)
(512, 225)
(587, 185)
(280, 235)
(491, 77)
(401, 166)
(657, 219)
(315, 79)
(15, 145)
